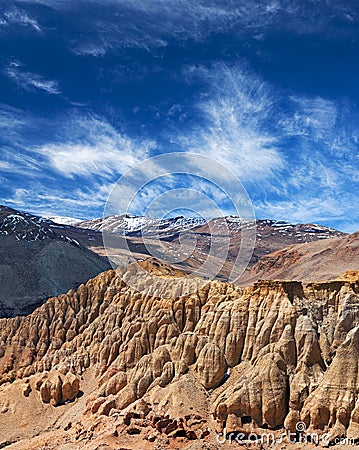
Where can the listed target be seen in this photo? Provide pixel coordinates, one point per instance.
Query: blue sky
(269, 89)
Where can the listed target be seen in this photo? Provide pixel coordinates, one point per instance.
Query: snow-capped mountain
(271, 235)
(24, 227)
(297, 232)
(138, 237)
(63, 220)
(146, 226)
(29, 228)
(136, 225)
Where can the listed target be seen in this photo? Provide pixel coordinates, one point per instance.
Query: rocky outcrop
(263, 357)
(57, 389)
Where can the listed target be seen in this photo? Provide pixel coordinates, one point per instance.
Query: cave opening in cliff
(246, 419)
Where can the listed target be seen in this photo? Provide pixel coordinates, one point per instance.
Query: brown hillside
(321, 260)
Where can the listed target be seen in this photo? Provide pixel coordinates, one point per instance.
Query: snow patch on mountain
(63, 220)
(127, 224)
(29, 228)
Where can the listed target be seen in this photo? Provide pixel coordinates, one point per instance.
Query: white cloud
(309, 156)
(235, 114)
(16, 16)
(20, 163)
(11, 120)
(326, 141)
(323, 120)
(30, 81)
(313, 117)
(5, 166)
(76, 144)
(153, 24)
(184, 181)
(91, 146)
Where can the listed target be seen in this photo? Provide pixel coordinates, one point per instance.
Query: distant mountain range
(164, 236)
(128, 225)
(41, 258)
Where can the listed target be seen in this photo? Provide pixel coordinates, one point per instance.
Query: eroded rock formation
(264, 357)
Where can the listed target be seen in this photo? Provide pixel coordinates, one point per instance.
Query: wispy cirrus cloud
(21, 163)
(71, 167)
(30, 81)
(176, 191)
(312, 117)
(18, 17)
(234, 115)
(91, 146)
(11, 120)
(325, 135)
(152, 24)
(155, 23)
(324, 120)
(74, 144)
(322, 182)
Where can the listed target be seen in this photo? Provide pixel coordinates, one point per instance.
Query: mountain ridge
(127, 224)
(38, 260)
(164, 238)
